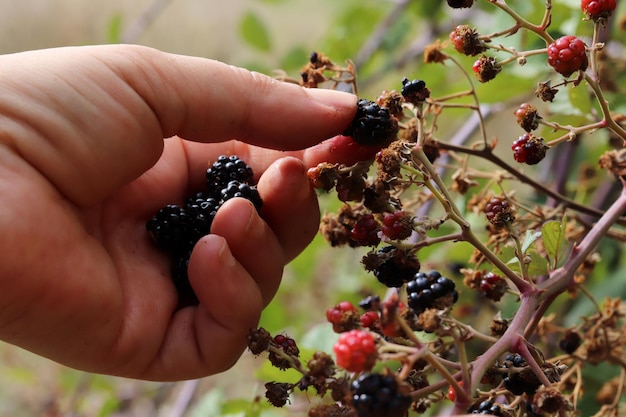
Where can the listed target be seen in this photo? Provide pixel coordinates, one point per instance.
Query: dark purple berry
(414, 91)
(499, 212)
(425, 290)
(171, 229)
(225, 170)
(372, 124)
(376, 395)
(395, 267)
(240, 189)
(460, 4)
(529, 149)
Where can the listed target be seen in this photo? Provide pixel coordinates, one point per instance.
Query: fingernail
(339, 100)
(219, 246)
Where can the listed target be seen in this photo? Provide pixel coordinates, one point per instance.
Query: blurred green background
(385, 39)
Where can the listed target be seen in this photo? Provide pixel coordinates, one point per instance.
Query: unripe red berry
(598, 9)
(567, 55)
(356, 351)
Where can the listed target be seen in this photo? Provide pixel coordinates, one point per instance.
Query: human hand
(83, 165)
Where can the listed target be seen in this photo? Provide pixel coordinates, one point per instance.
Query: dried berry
(486, 68)
(466, 41)
(527, 117)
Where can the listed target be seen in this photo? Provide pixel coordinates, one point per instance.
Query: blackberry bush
(516, 243)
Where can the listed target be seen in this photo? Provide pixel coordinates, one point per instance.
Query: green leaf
(529, 239)
(254, 32)
(580, 98)
(554, 241)
(538, 265)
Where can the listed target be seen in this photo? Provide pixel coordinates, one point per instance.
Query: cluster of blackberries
(177, 228)
(372, 124)
(376, 395)
(426, 291)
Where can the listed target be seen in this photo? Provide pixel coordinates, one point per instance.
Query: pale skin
(84, 164)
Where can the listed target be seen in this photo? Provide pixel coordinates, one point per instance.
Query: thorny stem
(559, 281)
(561, 278)
(445, 198)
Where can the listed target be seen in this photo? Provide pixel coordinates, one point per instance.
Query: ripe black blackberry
(520, 381)
(227, 169)
(170, 228)
(376, 395)
(241, 189)
(414, 91)
(430, 290)
(372, 124)
(201, 209)
(460, 4)
(392, 266)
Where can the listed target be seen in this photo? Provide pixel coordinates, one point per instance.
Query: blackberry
(486, 68)
(176, 229)
(527, 117)
(201, 209)
(488, 407)
(365, 231)
(227, 169)
(499, 212)
(414, 91)
(430, 291)
(529, 149)
(460, 4)
(571, 341)
(466, 41)
(394, 266)
(598, 9)
(288, 346)
(397, 225)
(241, 189)
(171, 228)
(567, 55)
(356, 351)
(372, 124)
(376, 395)
(520, 382)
